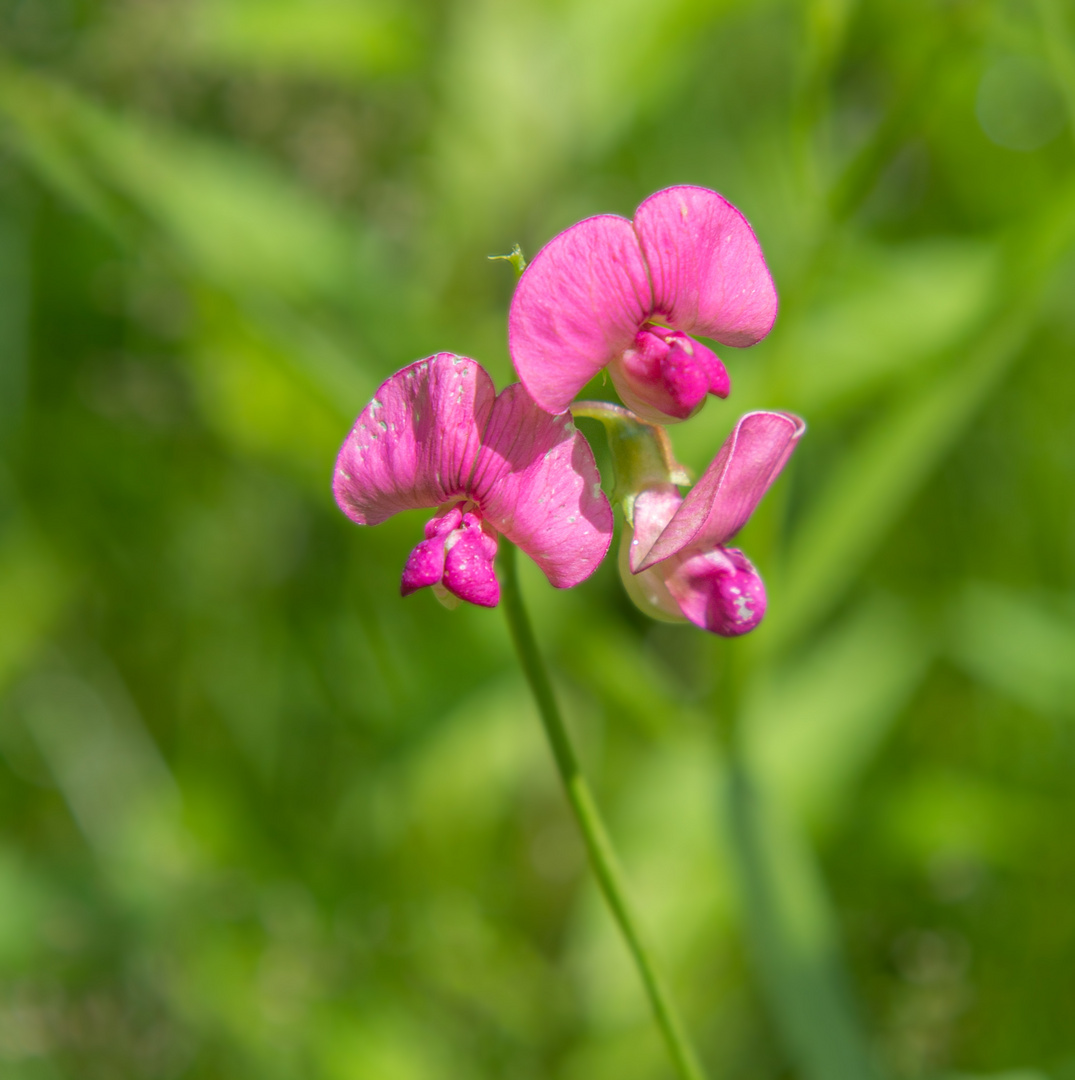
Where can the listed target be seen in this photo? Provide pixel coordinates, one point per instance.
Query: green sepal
(641, 452)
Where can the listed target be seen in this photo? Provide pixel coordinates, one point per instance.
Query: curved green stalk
(598, 844)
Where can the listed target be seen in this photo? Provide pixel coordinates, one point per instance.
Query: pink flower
(679, 566)
(627, 295)
(438, 435)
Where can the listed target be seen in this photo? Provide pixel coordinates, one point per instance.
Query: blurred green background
(260, 818)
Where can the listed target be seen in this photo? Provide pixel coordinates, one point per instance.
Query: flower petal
(468, 565)
(718, 506)
(653, 510)
(647, 591)
(415, 443)
(425, 564)
(536, 481)
(708, 273)
(718, 590)
(578, 304)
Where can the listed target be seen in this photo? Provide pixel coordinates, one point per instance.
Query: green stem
(598, 845)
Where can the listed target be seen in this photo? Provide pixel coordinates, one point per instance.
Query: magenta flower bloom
(438, 435)
(628, 295)
(678, 562)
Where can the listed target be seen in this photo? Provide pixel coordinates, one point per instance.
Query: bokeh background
(260, 818)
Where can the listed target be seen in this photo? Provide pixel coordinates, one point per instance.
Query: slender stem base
(598, 845)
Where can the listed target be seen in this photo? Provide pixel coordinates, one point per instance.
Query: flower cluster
(628, 296)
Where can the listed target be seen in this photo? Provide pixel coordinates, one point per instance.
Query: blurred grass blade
(15, 290)
(883, 473)
(793, 935)
(824, 36)
(892, 311)
(919, 83)
(499, 143)
(877, 481)
(237, 223)
(1008, 1074)
(1060, 50)
(1013, 643)
(808, 729)
(314, 38)
(33, 592)
(275, 387)
(812, 725)
(257, 250)
(234, 220)
(104, 761)
(33, 122)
